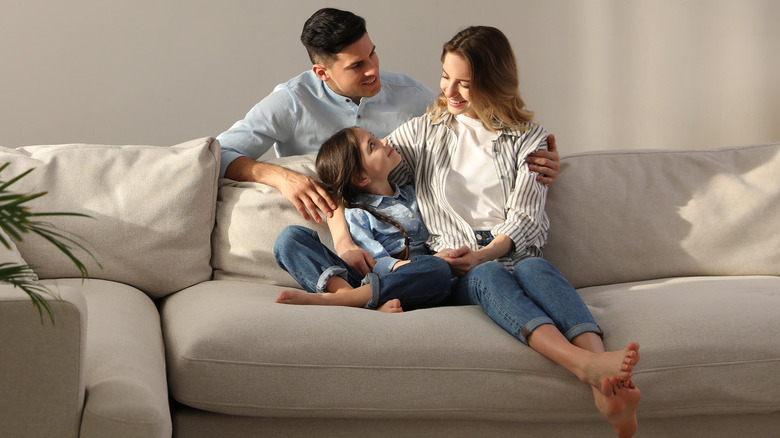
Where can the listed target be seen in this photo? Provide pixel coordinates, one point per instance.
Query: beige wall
(600, 74)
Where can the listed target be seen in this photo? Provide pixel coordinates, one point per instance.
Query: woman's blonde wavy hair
(493, 88)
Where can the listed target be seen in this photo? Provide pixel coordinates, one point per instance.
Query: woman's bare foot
(610, 365)
(392, 306)
(619, 406)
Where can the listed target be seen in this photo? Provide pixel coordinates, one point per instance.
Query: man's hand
(306, 194)
(546, 163)
(303, 192)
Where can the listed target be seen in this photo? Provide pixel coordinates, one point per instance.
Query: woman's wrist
(501, 245)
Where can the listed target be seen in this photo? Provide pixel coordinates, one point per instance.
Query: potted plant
(16, 220)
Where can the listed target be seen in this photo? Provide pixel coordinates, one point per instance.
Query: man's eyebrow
(357, 63)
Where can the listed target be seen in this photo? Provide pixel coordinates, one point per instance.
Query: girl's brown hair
(493, 88)
(338, 165)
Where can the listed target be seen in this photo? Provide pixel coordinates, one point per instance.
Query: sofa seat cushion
(232, 350)
(152, 209)
(708, 344)
(126, 387)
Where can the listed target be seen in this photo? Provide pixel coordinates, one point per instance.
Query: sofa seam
(370, 367)
(707, 365)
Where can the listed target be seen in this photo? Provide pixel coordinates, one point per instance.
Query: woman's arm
(463, 259)
(525, 220)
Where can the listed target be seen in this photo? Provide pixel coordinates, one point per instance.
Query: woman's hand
(461, 260)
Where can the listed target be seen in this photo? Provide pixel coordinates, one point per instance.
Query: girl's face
(377, 157)
(455, 80)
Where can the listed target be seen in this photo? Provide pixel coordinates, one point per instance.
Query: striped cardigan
(427, 148)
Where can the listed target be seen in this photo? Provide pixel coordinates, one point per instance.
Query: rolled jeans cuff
(585, 327)
(373, 280)
(322, 282)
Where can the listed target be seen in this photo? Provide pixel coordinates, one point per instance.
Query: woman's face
(455, 81)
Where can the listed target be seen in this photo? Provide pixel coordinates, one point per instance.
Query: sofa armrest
(42, 364)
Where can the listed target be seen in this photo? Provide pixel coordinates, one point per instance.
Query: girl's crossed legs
(424, 282)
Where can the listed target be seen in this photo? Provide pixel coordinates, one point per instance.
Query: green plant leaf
(16, 219)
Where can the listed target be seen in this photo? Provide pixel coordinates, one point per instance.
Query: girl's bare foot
(293, 296)
(610, 365)
(351, 298)
(619, 406)
(392, 306)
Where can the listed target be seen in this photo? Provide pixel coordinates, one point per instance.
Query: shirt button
(358, 116)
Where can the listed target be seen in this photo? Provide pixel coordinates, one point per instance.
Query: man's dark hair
(328, 31)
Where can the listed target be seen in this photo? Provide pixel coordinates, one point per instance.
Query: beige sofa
(178, 333)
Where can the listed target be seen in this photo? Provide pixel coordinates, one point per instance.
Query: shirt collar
(376, 200)
(507, 131)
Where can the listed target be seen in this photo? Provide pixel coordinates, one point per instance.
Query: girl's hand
(358, 258)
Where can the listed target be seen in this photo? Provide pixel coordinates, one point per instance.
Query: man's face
(355, 72)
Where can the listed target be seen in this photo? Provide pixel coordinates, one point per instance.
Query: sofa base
(192, 423)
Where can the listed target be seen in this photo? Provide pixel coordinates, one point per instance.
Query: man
(344, 88)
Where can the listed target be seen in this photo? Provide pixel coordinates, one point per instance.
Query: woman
(467, 161)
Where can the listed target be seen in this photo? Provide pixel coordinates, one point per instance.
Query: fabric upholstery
(190, 423)
(152, 210)
(636, 215)
(10, 254)
(42, 378)
(249, 217)
(126, 387)
(232, 350)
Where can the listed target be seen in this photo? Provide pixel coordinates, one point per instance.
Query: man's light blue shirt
(300, 114)
(380, 238)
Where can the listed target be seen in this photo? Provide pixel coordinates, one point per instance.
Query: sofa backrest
(615, 217)
(152, 210)
(634, 215)
(249, 217)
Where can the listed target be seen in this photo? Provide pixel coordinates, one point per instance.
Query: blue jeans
(534, 294)
(425, 282)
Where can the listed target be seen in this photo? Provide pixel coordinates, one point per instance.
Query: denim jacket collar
(375, 200)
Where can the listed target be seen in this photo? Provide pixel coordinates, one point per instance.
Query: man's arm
(546, 163)
(305, 193)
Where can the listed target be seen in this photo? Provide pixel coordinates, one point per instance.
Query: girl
(355, 166)
(466, 158)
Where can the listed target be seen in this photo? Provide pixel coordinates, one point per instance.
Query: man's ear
(321, 72)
